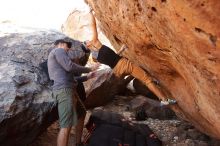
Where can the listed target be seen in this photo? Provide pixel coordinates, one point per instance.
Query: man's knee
(65, 131)
(128, 67)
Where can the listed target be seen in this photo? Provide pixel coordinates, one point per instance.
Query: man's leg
(81, 111)
(67, 115)
(79, 129)
(63, 136)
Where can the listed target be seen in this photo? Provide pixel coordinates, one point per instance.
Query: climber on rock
(120, 65)
(61, 69)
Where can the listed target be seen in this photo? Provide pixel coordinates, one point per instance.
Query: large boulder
(26, 106)
(145, 106)
(178, 43)
(102, 89)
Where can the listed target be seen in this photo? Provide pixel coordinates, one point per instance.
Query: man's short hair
(69, 43)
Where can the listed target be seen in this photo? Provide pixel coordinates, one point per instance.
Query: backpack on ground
(109, 129)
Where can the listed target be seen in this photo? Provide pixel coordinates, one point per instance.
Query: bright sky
(38, 13)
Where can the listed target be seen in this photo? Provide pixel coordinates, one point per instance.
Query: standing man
(120, 65)
(61, 69)
(80, 54)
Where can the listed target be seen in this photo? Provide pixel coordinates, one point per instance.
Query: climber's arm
(94, 27)
(95, 40)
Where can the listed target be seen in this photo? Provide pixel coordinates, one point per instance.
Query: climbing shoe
(168, 102)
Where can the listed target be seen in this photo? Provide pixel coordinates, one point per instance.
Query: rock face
(178, 43)
(152, 108)
(26, 106)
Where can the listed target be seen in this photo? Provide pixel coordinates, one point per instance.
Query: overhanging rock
(178, 43)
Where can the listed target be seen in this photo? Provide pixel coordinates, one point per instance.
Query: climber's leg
(126, 67)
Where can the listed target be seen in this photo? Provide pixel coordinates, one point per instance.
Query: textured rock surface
(26, 106)
(102, 89)
(144, 106)
(178, 43)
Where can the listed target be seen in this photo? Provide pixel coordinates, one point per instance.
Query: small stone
(175, 137)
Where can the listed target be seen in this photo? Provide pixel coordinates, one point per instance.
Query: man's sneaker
(80, 144)
(168, 102)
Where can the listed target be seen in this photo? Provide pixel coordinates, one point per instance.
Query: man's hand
(95, 67)
(92, 75)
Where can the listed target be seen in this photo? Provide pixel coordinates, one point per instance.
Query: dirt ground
(172, 132)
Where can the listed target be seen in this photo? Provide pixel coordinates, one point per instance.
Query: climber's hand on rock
(86, 1)
(89, 9)
(122, 49)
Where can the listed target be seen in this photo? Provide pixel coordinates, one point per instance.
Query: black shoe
(80, 144)
(140, 114)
